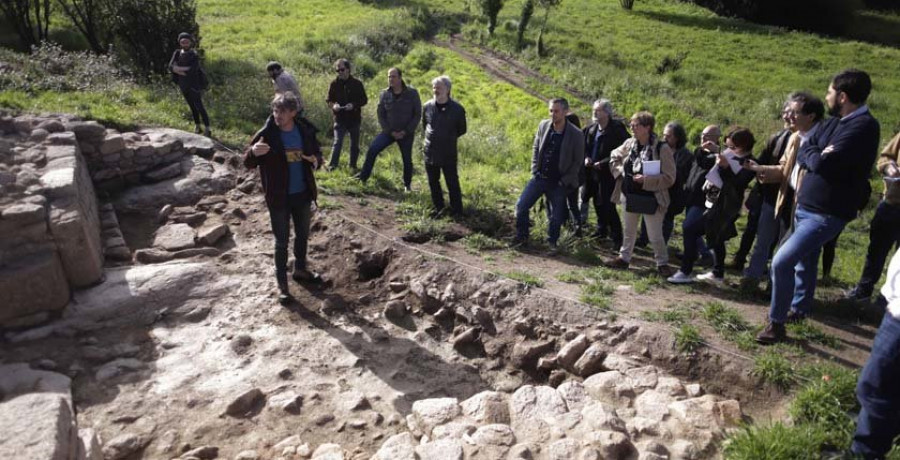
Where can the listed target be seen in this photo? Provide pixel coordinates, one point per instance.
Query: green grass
(806, 330)
(597, 293)
(478, 242)
(677, 314)
(571, 277)
(776, 442)
(525, 278)
(688, 338)
(773, 368)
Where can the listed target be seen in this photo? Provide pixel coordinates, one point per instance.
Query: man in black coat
(444, 121)
(346, 98)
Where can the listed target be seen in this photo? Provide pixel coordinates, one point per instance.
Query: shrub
(491, 8)
(146, 31)
(50, 68)
(524, 18)
(831, 17)
(627, 4)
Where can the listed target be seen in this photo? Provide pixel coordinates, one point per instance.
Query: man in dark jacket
(838, 159)
(556, 158)
(444, 121)
(399, 111)
(600, 138)
(286, 152)
(346, 98)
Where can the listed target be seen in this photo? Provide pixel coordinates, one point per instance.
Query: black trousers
(195, 102)
(298, 209)
(451, 177)
(884, 233)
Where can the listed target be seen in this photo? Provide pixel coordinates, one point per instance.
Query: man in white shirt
(283, 81)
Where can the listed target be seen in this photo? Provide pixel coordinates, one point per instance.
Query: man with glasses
(346, 97)
(838, 159)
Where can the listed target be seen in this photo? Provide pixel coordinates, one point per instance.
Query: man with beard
(600, 138)
(837, 159)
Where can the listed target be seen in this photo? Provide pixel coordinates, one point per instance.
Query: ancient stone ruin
(138, 322)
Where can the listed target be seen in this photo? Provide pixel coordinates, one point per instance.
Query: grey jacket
(442, 129)
(571, 154)
(401, 113)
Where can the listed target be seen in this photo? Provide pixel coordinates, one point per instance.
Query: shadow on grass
(710, 23)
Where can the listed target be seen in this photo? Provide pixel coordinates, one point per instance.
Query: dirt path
(506, 68)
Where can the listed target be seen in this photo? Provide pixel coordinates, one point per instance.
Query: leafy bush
(822, 16)
(776, 442)
(145, 31)
(50, 68)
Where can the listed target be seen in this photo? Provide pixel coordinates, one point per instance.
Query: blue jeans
(534, 189)
(766, 233)
(879, 394)
(383, 141)
(341, 130)
(693, 229)
(794, 265)
(297, 209)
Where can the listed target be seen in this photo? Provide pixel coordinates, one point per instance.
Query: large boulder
(199, 178)
(38, 426)
(194, 144)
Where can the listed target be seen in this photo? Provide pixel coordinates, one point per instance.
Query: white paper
(651, 168)
(713, 175)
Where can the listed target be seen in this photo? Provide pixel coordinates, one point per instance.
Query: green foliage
(597, 294)
(806, 330)
(571, 277)
(525, 278)
(678, 314)
(772, 367)
(29, 18)
(491, 8)
(50, 68)
(688, 338)
(477, 242)
(524, 19)
(725, 320)
(627, 4)
(826, 401)
(145, 32)
(775, 442)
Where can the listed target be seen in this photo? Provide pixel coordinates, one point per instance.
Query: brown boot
(772, 334)
(618, 263)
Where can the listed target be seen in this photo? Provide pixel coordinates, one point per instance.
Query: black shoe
(858, 294)
(553, 249)
(284, 295)
(302, 275)
(772, 334)
(617, 264)
(518, 243)
(706, 260)
(600, 234)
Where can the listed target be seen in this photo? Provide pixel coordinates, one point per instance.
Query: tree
(627, 4)
(30, 18)
(547, 5)
(527, 11)
(87, 16)
(491, 8)
(146, 31)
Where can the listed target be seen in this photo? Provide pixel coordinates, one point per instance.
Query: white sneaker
(680, 278)
(710, 277)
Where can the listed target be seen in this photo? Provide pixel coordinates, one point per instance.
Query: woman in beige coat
(632, 164)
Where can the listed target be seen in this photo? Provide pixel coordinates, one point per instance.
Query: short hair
(563, 102)
(342, 63)
(645, 118)
(809, 104)
(855, 83)
(273, 65)
(443, 79)
(679, 132)
(742, 138)
(606, 106)
(286, 101)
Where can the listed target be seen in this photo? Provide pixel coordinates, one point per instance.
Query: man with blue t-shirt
(286, 152)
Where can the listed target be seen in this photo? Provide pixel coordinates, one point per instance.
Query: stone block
(59, 183)
(62, 138)
(166, 172)
(87, 131)
(32, 285)
(75, 226)
(56, 152)
(113, 143)
(51, 126)
(37, 426)
(174, 237)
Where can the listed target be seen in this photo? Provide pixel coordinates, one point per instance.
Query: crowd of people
(811, 179)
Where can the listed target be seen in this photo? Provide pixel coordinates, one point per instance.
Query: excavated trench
(183, 352)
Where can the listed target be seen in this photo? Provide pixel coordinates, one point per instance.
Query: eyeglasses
(340, 69)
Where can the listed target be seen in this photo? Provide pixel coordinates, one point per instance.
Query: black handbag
(640, 204)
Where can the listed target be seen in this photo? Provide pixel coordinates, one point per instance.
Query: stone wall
(51, 235)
